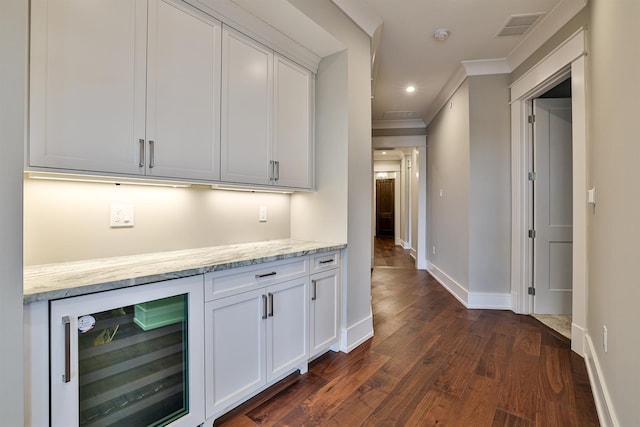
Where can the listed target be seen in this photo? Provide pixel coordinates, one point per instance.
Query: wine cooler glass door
(125, 357)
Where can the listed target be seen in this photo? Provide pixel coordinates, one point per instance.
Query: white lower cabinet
(252, 339)
(324, 311)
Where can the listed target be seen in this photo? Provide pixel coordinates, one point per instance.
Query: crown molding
(454, 82)
(281, 27)
(482, 67)
(541, 32)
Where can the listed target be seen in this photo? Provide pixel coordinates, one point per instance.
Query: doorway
(567, 60)
(552, 194)
(385, 207)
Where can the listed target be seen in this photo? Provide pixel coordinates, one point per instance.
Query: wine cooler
(130, 357)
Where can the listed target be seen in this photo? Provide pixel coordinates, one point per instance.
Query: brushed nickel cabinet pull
(313, 290)
(270, 305)
(277, 173)
(66, 377)
(272, 173)
(142, 154)
(326, 261)
(264, 306)
(152, 154)
(260, 276)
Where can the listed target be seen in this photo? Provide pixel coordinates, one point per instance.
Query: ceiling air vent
(399, 115)
(517, 25)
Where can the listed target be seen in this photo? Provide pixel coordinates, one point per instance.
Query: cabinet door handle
(277, 174)
(264, 306)
(152, 154)
(326, 261)
(66, 377)
(260, 276)
(142, 154)
(313, 290)
(272, 173)
(270, 305)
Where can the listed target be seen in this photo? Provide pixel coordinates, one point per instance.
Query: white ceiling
(407, 54)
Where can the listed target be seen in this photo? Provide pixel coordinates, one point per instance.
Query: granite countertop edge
(64, 280)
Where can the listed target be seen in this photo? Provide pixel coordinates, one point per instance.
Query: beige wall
(490, 184)
(358, 207)
(67, 221)
(448, 170)
(614, 230)
(13, 49)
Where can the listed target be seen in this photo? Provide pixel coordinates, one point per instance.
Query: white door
(247, 97)
(293, 119)
(87, 84)
(234, 349)
(183, 95)
(287, 340)
(553, 214)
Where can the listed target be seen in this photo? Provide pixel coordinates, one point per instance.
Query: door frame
(566, 60)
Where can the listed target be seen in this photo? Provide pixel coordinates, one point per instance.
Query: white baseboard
(601, 395)
(477, 300)
(454, 288)
(490, 301)
(412, 253)
(356, 334)
(405, 245)
(578, 336)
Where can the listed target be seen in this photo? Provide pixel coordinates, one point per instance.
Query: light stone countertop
(62, 280)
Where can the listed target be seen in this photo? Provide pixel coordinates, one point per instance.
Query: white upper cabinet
(247, 93)
(267, 116)
(110, 93)
(293, 124)
(183, 93)
(88, 75)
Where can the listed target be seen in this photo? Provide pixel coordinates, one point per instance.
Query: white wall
(448, 170)
(13, 48)
(490, 186)
(357, 318)
(68, 221)
(614, 230)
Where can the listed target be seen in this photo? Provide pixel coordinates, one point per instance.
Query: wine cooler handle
(264, 306)
(270, 304)
(67, 349)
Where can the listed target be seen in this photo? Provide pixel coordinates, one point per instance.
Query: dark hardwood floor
(432, 362)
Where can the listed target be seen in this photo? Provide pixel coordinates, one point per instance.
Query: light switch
(591, 196)
(262, 215)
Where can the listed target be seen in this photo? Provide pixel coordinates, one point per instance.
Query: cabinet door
(287, 339)
(87, 84)
(183, 92)
(324, 311)
(293, 124)
(247, 93)
(234, 349)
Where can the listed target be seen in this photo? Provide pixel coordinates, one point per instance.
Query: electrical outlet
(121, 216)
(433, 249)
(605, 339)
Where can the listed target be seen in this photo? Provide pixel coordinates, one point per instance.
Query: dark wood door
(385, 200)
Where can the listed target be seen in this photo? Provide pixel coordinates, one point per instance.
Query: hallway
(433, 362)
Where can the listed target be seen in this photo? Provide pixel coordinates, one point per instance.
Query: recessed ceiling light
(384, 152)
(441, 34)
(410, 89)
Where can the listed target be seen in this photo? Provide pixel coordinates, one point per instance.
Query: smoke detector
(441, 34)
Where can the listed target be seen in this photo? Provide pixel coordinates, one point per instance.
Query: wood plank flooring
(432, 362)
